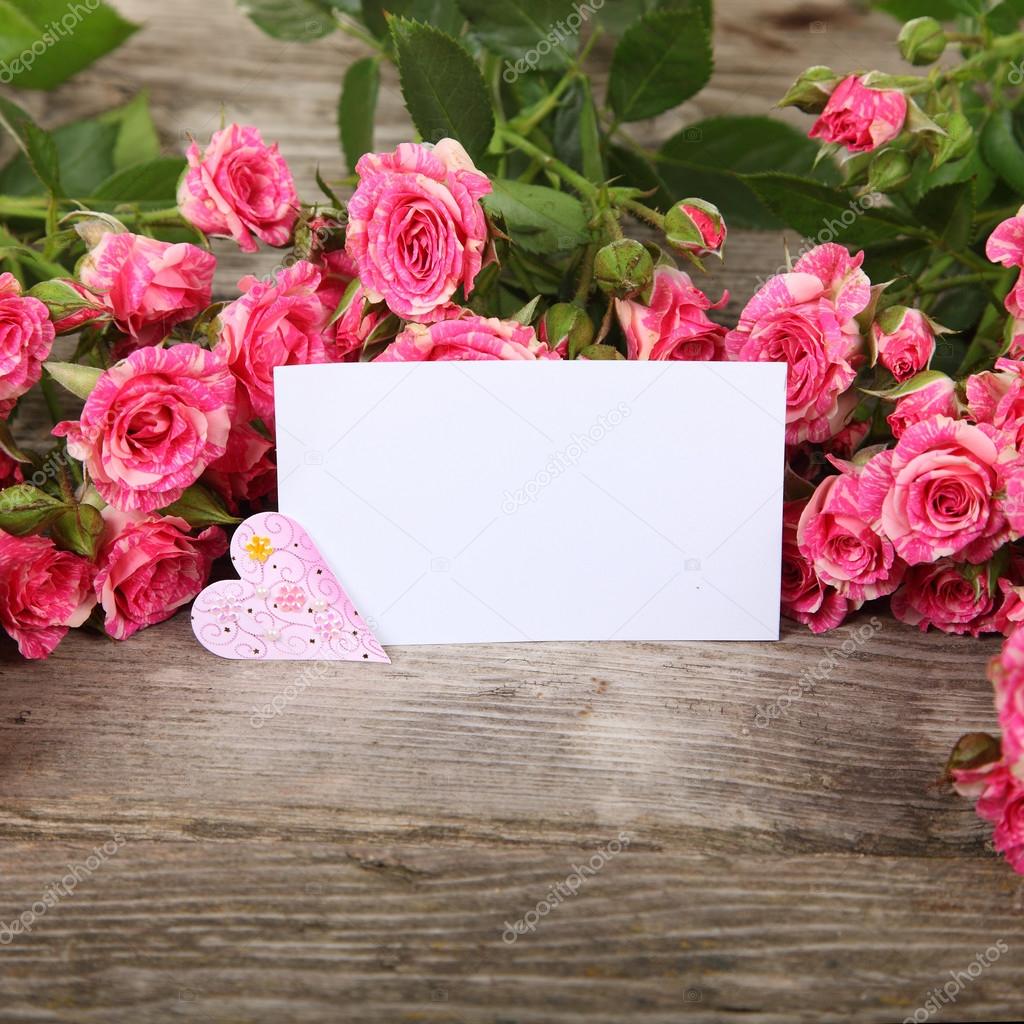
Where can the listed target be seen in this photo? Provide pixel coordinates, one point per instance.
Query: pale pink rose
(240, 188)
(1006, 672)
(805, 597)
(675, 324)
(844, 550)
(43, 592)
(997, 398)
(152, 424)
(26, 337)
(148, 286)
(937, 493)
(935, 399)
(905, 341)
(469, 337)
(282, 323)
(246, 471)
(806, 319)
(859, 117)
(416, 229)
(954, 598)
(148, 567)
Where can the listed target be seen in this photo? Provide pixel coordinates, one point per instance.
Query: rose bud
(624, 268)
(566, 323)
(922, 41)
(935, 399)
(905, 341)
(71, 306)
(810, 92)
(696, 227)
(859, 117)
(889, 169)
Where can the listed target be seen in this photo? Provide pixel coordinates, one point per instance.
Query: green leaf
(949, 212)
(909, 387)
(907, 10)
(634, 167)
(294, 20)
(527, 313)
(1001, 150)
(444, 90)
(153, 181)
(137, 139)
(25, 509)
(662, 60)
(540, 219)
(708, 159)
(8, 444)
(74, 35)
(78, 529)
(600, 352)
(199, 507)
(357, 109)
(37, 147)
(442, 14)
(79, 380)
(516, 28)
(823, 213)
(576, 135)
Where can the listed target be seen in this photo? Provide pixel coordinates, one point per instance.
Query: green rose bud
(695, 226)
(889, 169)
(810, 92)
(566, 321)
(955, 143)
(623, 268)
(922, 41)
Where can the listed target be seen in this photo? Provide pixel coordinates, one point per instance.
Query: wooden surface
(359, 855)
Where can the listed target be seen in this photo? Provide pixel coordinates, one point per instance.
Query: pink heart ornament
(287, 605)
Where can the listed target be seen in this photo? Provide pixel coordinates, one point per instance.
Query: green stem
(585, 188)
(586, 274)
(645, 213)
(546, 107)
(956, 281)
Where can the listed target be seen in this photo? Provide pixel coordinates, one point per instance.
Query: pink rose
(1006, 246)
(935, 494)
(805, 597)
(935, 399)
(1010, 613)
(951, 597)
(152, 424)
(337, 272)
(416, 229)
(246, 471)
(278, 324)
(1008, 836)
(905, 341)
(26, 337)
(1007, 675)
(43, 593)
(354, 327)
(10, 471)
(859, 117)
(469, 337)
(675, 324)
(997, 398)
(238, 188)
(148, 567)
(148, 286)
(697, 227)
(806, 319)
(1000, 800)
(844, 551)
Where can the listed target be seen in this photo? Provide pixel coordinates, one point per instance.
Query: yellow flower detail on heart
(259, 549)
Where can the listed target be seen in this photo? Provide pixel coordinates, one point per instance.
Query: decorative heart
(287, 604)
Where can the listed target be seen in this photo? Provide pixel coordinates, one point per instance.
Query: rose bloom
(152, 424)
(905, 341)
(469, 337)
(246, 471)
(997, 398)
(416, 229)
(935, 494)
(806, 319)
(26, 337)
(148, 286)
(43, 592)
(337, 272)
(1006, 246)
(935, 399)
(859, 117)
(947, 596)
(844, 551)
(1006, 672)
(148, 567)
(1000, 800)
(277, 324)
(1008, 836)
(805, 597)
(240, 188)
(675, 324)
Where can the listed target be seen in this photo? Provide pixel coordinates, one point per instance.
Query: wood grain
(355, 852)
